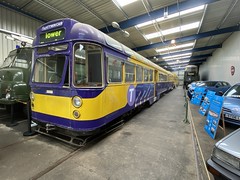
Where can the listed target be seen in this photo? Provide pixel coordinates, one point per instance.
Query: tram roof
(87, 32)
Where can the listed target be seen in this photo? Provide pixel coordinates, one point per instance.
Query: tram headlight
(31, 96)
(76, 101)
(76, 114)
(8, 96)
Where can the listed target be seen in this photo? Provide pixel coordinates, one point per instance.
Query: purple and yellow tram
(83, 79)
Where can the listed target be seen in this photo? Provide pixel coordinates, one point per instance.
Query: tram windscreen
(87, 65)
(49, 69)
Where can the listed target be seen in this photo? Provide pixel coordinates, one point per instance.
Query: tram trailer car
(190, 75)
(14, 78)
(83, 79)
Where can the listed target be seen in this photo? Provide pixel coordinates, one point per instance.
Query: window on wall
(146, 76)
(129, 72)
(150, 75)
(139, 76)
(114, 69)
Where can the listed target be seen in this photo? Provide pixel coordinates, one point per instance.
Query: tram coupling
(50, 127)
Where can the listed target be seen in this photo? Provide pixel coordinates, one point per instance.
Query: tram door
(155, 84)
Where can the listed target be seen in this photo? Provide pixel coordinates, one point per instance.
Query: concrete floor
(154, 144)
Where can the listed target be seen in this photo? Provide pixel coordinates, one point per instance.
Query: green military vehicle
(14, 79)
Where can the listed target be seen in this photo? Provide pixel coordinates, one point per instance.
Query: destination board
(51, 36)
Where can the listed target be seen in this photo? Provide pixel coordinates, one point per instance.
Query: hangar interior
(171, 34)
(198, 28)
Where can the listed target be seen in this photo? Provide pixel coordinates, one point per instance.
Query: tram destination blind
(51, 36)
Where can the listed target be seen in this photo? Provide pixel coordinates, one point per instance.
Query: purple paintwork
(78, 32)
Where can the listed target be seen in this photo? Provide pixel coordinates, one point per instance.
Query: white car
(225, 159)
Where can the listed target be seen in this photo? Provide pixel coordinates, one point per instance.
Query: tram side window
(162, 77)
(146, 75)
(87, 65)
(139, 76)
(151, 75)
(129, 72)
(114, 69)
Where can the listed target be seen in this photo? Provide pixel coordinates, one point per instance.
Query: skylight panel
(176, 56)
(175, 47)
(178, 68)
(179, 62)
(192, 10)
(171, 16)
(125, 2)
(173, 30)
(167, 52)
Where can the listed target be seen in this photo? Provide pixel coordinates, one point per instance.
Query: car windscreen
(8, 61)
(233, 92)
(208, 84)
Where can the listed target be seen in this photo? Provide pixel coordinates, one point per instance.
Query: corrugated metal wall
(218, 67)
(15, 22)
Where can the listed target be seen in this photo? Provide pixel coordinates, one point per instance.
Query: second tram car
(83, 79)
(190, 75)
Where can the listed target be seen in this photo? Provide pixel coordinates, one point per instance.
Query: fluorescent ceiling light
(178, 62)
(165, 53)
(188, 11)
(177, 55)
(175, 47)
(177, 58)
(176, 68)
(173, 30)
(125, 2)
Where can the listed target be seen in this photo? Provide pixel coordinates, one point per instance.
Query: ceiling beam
(179, 69)
(200, 56)
(197, 62)
(175, 8)
(26, 4)
(177, 64)
(183, 63)
(189, 51)
(91, 11)
(195, 58)
(52, 8)
(3, 4)
(190, 38)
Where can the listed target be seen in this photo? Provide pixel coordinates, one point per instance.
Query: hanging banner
(213, 116)
(203, 110)
(197, 95)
